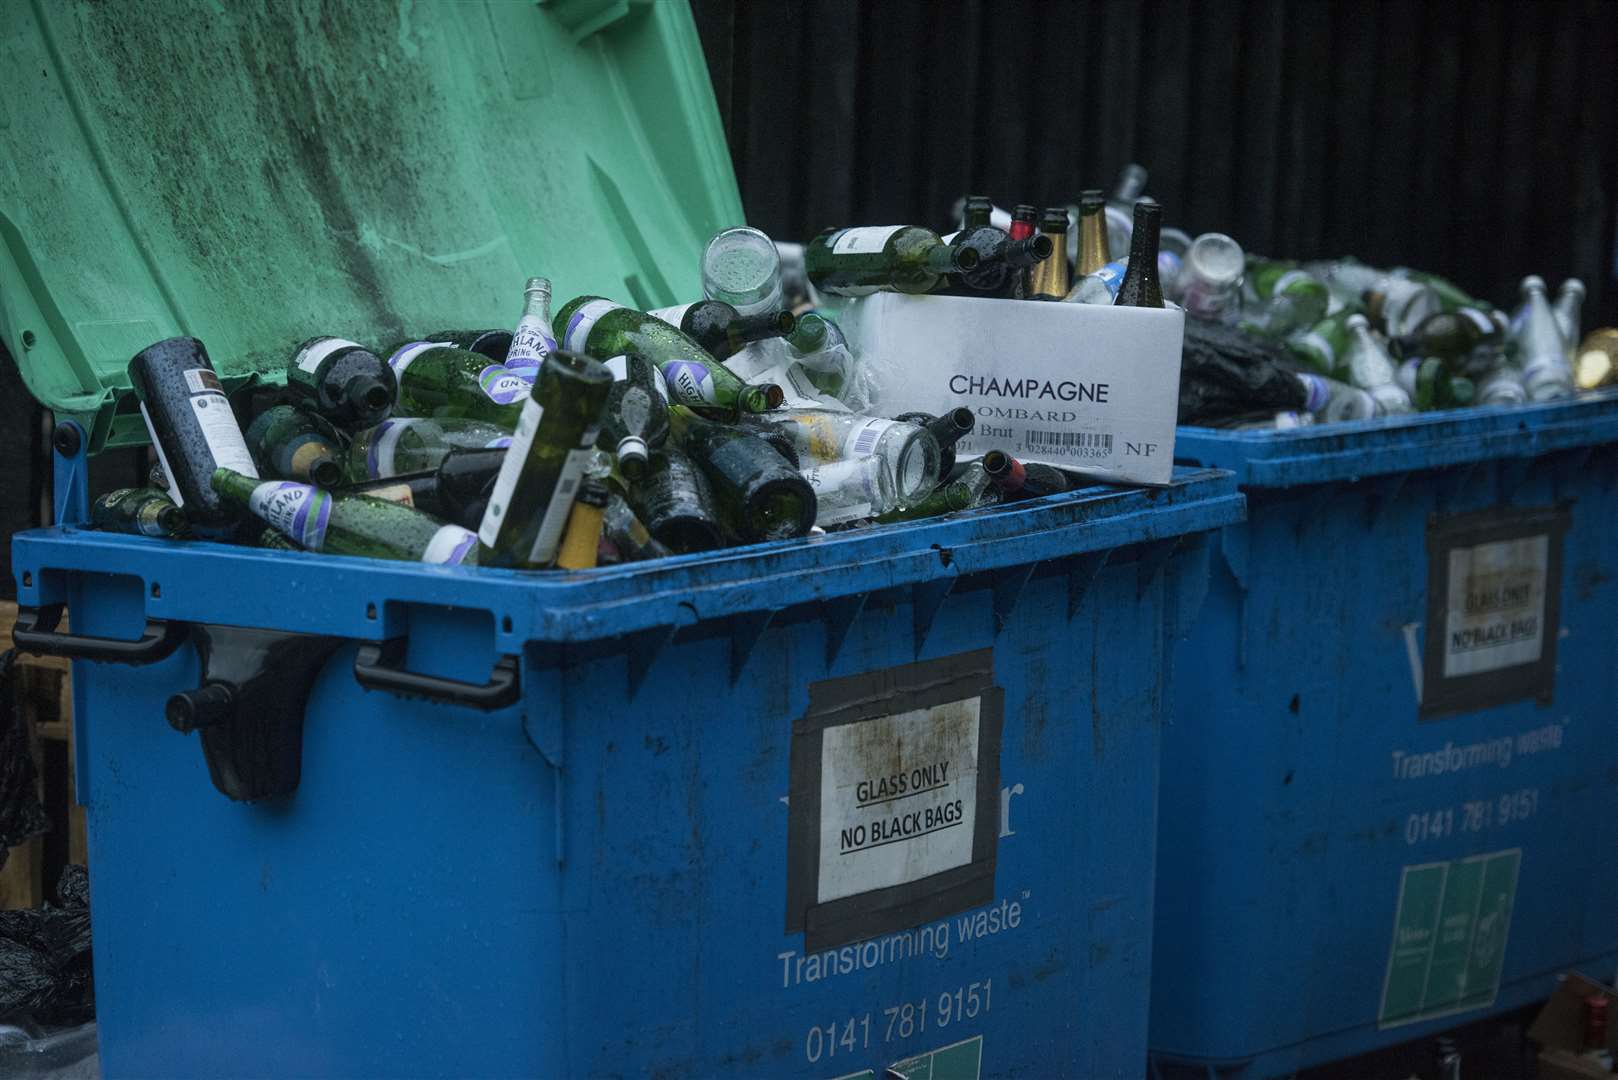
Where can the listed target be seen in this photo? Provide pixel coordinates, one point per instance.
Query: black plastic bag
(1227, 376)
(45, 956)
(21, 815)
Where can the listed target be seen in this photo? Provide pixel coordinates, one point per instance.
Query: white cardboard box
(1087, 387)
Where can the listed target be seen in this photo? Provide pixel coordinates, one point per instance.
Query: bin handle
(35, 632)
(377, 666)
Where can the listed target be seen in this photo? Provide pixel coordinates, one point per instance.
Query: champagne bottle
(970, 489)
(626, 538)
(1569, 305)
(289, 443)
(1048, 278)
(1029, 479)
(1371, 369)
(440, 380)
(191, 425)
(1024, 221)
(343, 381)
(529, 505)
(318, 520)
(1140, 287)
(946, 430)
(636, 418)
(533, 339)
(413, 445)
(604, 329)
(495, 344)
(1212, 277)
(139, 512)
(581, 543)
(721, 329)
(676, 504)
(900, 258)
(1541, 350)
(1000, 259)
(1332, 401)
(759, 495)
(909, 454)
(742, 267)
(1093, 251)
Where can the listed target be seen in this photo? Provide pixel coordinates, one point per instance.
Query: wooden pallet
(44, 690)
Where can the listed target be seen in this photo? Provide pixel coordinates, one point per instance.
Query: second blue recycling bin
(1390, 795)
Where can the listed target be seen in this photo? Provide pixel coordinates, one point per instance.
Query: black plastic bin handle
(35, 632)
(377, 667)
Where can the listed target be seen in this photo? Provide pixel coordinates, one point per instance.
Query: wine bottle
(898, 258)
(413, 445)
(139, 512)
(1140, 287)
(721, 329)
(676, 505)
(760, 496)
(343, 381)
(1001, 260)
(289, 443)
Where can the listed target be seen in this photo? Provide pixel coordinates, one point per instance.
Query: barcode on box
(1079, 440)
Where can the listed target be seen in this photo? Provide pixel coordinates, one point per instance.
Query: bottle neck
(1093, 251)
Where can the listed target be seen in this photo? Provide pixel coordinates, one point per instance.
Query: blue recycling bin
(799, 809)
(1390, 790)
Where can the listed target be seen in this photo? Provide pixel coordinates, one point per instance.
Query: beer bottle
(970, 489)
(533, 339)
(721, 329)
(414, 445)
(676, 505)
(291, 444)
(636, 418)
(1140, 287)
(1542, 352)
(1569, 305)
(529, 505)
(318, 520)
(343, 381)
(900, 258)
(139, 512)
(1332, 401)
(440, 380)
(1048, 278)
(1029, 479)
(581, 543)
(909, 454)
(191, 425)
(742, 267)
(1093, 251)
(1371, 369)
(946, 430)
(601, 328)
(495, 344)
(760, 496)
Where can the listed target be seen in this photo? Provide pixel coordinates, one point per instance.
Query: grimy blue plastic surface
(1298, 806)
(594, 882)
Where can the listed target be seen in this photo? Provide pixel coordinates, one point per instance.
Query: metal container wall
(1389, 794)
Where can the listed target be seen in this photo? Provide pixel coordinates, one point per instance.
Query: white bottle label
(401, 359)
(863, 239)
(222, 434)
(1288, 279)
(583, 321)
(690, 382)
(502, 385)
(1320, 345)
(672, 315)
(162, 459)
(549, 537)
(310, 357)
(510, 469)
(385, 440)
(532, 342)
(846, 490)
(449, 546)
(301, 511)
(1478, 319)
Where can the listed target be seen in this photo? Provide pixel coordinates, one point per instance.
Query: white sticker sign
(898, 798)
(1496, 605)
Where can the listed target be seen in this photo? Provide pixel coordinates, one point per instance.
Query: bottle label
(530, 345)
(583, 321)
(202, 381)
(1317, 389)
(1289, 279)
(1318, 344)
(384, 441)
(503, 386)
(845, 490)
(401, 359)
(394, 493)
(170, 482)
(672, 315)
(549, 537)
(449, 546)
(863, 239)
(494, 515)
(300, 511)
(221, 432)
(312, 355)
(1478, 319)
(690, 382)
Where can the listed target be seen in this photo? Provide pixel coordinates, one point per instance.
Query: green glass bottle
(318, 520)
(760, 496)
(1290, 298)
(1322, 348)
(289, 443)
(342, 380)
(602, 329)
(1452, 334)
(676, 504)
(636, 418)
(1432, 386)
(815, 333)
(721, 329)
(457, 490)
(139, 512)
(970, 489)
(898, 258)
(408, 445)
(533, 495)
(495, 344)
(1000, 259)
(441, 380)
(977, 211)
(534, 339)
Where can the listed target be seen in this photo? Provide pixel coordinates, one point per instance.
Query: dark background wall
(1478, 140)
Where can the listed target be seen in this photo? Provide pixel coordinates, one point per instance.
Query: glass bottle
(139, 512)
(742, 267)
(290, 443)
(533, 340)
(1140, 287)
(635, 420)
(440, 380)
(759, 495)
(898, 258)
(1048, 278)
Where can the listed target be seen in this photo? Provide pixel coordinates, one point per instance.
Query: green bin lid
(257, 174)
